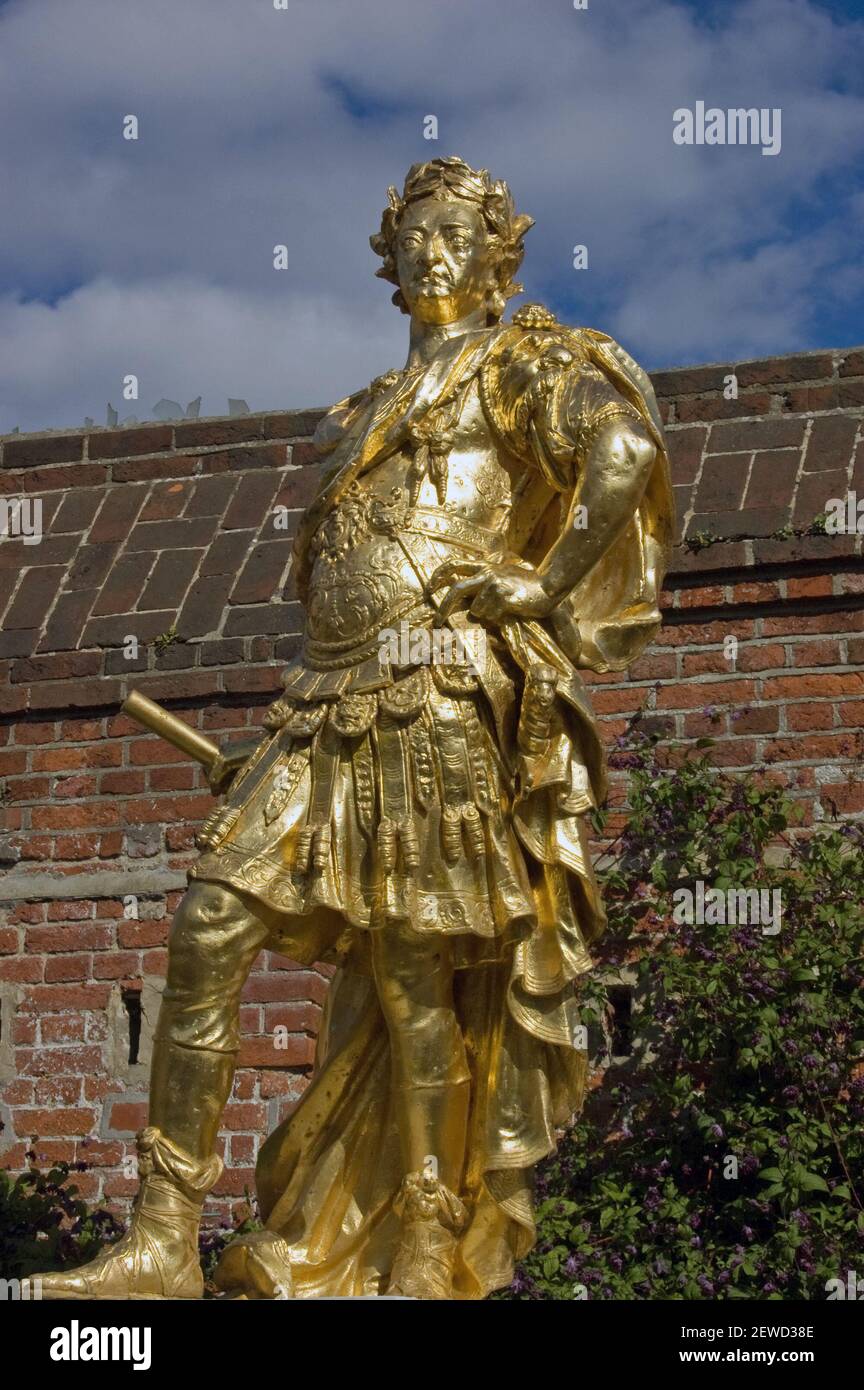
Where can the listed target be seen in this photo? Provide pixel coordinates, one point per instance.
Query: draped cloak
(354, 741)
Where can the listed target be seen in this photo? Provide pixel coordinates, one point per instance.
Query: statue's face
(444, 260)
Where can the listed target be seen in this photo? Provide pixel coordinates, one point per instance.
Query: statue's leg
(215, 936)
(431, 1093)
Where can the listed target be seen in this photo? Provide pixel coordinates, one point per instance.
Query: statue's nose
(431, 254)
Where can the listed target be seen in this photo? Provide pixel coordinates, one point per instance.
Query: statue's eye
(410, 240)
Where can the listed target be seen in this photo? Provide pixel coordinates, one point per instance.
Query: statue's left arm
(588, 441)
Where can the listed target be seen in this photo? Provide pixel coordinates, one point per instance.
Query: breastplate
(366, 575)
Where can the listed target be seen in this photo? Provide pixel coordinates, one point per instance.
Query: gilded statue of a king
(414, 812)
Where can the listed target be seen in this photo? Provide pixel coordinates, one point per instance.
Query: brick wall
(179, 536)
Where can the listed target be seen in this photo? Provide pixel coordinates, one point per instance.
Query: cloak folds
(522, 916)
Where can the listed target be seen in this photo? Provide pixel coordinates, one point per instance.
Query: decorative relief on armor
(353, 715)
(406, 698)
(284, 786)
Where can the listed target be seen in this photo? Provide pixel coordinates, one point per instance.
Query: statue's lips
(432, 284)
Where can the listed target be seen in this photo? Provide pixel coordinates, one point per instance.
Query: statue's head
(452, 242)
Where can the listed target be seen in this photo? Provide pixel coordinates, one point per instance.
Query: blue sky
(260, 127)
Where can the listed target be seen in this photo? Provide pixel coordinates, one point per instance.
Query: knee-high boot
(158, 1256)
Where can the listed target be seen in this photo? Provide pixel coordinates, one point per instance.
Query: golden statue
(417, 819)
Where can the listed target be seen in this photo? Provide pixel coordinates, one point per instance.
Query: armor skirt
(391, 804)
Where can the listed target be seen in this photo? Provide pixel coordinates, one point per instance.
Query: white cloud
(184, 338)
(247, 139)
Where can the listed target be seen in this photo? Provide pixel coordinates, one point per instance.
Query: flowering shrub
(44, 1224)
(724, 1158)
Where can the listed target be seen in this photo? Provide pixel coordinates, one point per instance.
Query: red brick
(805, 718)
(653, 665)
(815, 586)
(46, 482)
(166, 501)
(734, 752)
(802, 687)
(830, 444)
(296, 490)
(20, 789)
(249, 1116)
(34, 597)
(817, 653)
(128, 1116)
(57, 667)
(75, 788)
(747, 435)
(707, 693)
(57, 1090)
(166, 466)
(169, 779)
(122, 783)
(260, 1052)
(71, 817)
(91, 565)
(812, 623)
(780, 370)
(150, 811)
(252, 502)
(262, 572)
(117, 514)
(139, 935)
(67, 620)
(296, 1017)
(773, 475)
(62, 1028)
(269, 456)
(761, 657)
(212, 495)
(291, 424)
(702, 663)
(825, 747)
(35, 847)
(129, 440)
(719, 408)
(125, 585)
(27, 452)
(34, 733)
(119, 965)
(709, 596)
(755, 593)
(21, 970)
(65, 968)
(64, 1121)
(77, 510)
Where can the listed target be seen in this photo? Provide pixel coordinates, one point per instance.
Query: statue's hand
(229, 763)
(497, 592)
